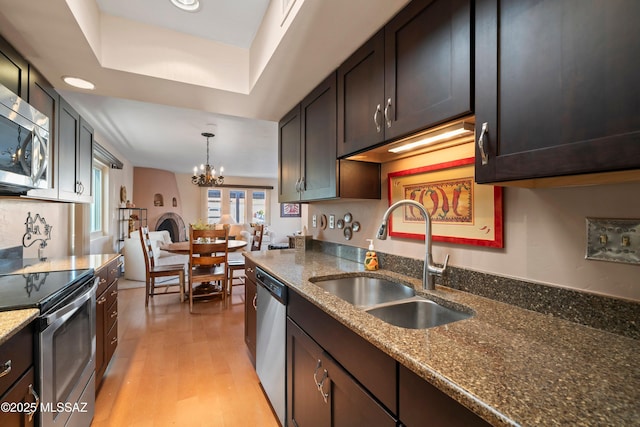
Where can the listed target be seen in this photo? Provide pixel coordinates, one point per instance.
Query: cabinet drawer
(103, 274)
(250, 269)
(16, 355)
(112, 315)
(112, 342)
(370, 366)
(113, 270)
(21, 392)
(111, 294)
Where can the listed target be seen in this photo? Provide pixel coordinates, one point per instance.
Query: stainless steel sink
(417, 314)
(364, 291)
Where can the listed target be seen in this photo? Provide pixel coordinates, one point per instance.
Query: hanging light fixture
(207, 176)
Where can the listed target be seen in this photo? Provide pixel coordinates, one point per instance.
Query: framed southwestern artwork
(289, 210)
(461, 211)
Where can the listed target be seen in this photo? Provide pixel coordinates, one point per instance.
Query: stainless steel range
(66, 341)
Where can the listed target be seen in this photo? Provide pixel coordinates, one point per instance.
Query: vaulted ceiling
(163, 76)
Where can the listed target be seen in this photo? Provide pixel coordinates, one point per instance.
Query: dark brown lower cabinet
(321, 392)
(250, 314)
(106, 317)
(337, 378)
(420, 403)
(17, 378)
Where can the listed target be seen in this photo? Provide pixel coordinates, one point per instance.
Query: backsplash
(618, 316)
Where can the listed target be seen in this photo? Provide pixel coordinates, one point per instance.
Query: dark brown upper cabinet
(557, 88)
(14, 70)
(75, 156)
(412, 75)
(308, 169)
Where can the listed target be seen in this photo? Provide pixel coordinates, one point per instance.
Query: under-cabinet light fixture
(78, 82)
(188, 5)
(456, 130)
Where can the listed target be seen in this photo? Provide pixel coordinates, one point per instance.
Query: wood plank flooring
(172, 368)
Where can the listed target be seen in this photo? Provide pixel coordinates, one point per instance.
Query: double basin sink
(391, 302)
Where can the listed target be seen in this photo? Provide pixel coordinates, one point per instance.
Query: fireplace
(174, 224)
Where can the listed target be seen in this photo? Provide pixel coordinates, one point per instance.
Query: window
(244, 205)
(237, 205)
(258, 206)
(214, 206)
(98, 205)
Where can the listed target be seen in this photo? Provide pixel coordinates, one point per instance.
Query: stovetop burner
(21, 288)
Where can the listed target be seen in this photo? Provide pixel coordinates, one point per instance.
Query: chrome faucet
(430, 269)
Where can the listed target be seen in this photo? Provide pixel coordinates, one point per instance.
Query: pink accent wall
(147, 184)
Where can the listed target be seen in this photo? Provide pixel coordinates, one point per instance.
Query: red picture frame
(462, 211)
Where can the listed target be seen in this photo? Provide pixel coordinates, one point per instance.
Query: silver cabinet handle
(6, 368)
(325, 396)
(303, 187)
(386, 113)
(320, 384)
(35, 395)
(255, 302)
(481, 138)
(298, 185)
(375, 118)
(102, 300)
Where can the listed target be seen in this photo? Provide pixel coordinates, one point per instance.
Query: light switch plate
(614, 240)
(332, 221)
(314, 221)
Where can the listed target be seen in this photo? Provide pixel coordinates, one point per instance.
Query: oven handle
(69, 309)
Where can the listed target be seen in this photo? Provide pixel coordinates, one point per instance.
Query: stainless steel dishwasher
(271, 340)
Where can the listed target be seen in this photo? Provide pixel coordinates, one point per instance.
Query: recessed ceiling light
(78, 82)
(188, 5)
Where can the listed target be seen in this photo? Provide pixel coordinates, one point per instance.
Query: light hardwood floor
(172, 368)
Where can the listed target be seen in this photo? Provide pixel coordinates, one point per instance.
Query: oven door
(67, 347)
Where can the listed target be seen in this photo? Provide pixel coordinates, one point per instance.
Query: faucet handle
(446, 261)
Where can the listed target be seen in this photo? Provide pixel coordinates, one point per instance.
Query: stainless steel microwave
(24, 145)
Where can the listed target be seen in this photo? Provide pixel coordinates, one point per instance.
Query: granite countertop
(509, 365)
(14, 320)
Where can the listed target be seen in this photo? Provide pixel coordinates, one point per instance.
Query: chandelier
(207, 176)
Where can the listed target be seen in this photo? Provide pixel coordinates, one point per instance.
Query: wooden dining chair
(208, 256)
(237, 262)
(153, 271)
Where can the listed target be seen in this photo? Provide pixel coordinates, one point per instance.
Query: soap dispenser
(371, 258)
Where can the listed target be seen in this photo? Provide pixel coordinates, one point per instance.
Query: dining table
(182, 248)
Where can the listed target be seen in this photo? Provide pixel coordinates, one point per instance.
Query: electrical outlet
(615, 240)
(314, 221)
(332, 221)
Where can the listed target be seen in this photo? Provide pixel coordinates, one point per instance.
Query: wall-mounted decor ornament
(36, 227)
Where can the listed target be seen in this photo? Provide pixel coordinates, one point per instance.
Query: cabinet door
(13, 69)
(318, 113)
(289, 156)
(427, 65)
(22, 392)
(68, 134)
(350, 404)
(305, 405)
(84, 162)
(556, 84)
(45, 99)
(420, 401)
(250, 290)
(321, 392)
(361, 98)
